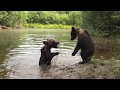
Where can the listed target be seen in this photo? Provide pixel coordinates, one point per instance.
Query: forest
(106, 23)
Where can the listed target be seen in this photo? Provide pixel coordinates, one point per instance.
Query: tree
(75, 18)
(12, 18)
(101, 21)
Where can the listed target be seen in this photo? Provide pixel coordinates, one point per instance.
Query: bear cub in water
(46, 55)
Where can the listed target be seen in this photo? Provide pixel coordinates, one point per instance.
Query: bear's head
(74, 33)
(51, 43)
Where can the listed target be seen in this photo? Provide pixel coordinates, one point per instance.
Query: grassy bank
(47, 26)
(57, 26)
(92, 32)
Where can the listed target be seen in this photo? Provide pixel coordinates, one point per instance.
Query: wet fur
(46, 55)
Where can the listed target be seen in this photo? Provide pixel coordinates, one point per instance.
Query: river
(20, 52)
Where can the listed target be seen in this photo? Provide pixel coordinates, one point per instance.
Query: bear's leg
(49, 58)
(48, 63)
(85, 58)
(89, 58)
(42, 59)
(41, 62)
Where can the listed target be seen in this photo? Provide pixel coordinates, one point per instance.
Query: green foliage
(18, 18)
(45, 17)
(47, 26)
(75, 18)
(55, 17)
(12, 18)
(104, 22)
(3, 17)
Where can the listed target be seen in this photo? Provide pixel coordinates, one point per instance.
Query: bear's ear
(45, 42)
(73, 28)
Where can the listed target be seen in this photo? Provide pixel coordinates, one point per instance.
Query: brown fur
(84, 43)
(46, 55)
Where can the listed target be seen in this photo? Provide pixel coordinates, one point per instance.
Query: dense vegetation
(17, 18)
(99, 22)
(105, 22)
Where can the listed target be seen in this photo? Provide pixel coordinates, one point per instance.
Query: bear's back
(85, 39)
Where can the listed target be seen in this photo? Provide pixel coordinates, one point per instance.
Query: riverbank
(47, 26)
(39, 26)
(96, 69)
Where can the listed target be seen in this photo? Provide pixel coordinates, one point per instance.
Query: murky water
(20, 52)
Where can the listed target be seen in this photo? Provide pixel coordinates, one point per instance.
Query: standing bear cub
(46, 55)
(84, 43)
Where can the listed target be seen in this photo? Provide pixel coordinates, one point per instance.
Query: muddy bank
(96, 69)
(5, 27)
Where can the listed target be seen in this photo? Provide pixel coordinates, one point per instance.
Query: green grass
(47, 26)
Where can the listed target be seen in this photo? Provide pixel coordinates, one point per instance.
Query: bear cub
(84, 42)
(46, 55)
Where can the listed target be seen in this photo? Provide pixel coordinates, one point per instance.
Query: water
(20, 52)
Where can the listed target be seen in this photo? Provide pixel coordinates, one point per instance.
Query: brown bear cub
(84, 43)
(46, 55)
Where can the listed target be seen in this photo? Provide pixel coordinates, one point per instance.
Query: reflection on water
(20, 58)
